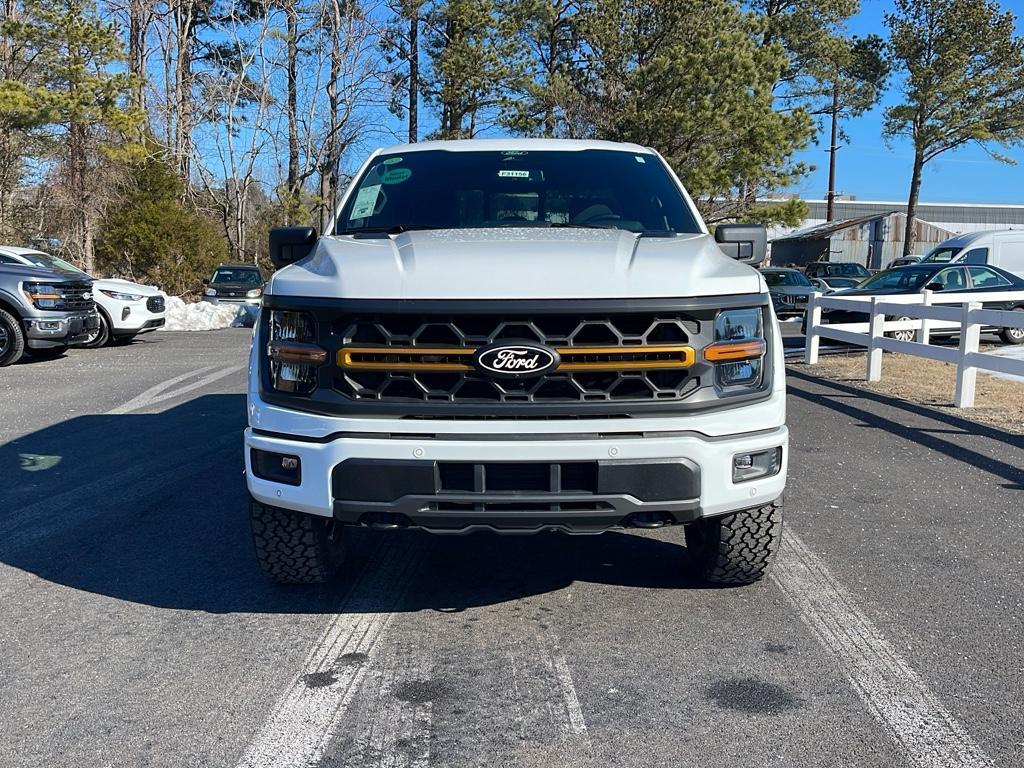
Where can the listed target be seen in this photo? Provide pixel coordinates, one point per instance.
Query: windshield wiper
(397, 229)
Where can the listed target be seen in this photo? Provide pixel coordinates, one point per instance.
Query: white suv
(126, 309)
(517, 336)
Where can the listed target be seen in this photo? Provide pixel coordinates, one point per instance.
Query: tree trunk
(292, 14)
(184, 18)
(332, 158)
(832, 149)
(138, 22)
(414, 73)
(915, 191)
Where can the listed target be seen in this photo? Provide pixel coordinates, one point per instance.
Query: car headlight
(739, 348)
(292, 353)
(121, 296)
(42, 295)
(254, 293)
(210, 291)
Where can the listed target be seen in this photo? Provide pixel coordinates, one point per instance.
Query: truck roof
(520, 145)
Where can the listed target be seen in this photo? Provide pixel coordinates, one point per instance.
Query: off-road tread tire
(737, 548)
(293, 548)
(17, 336)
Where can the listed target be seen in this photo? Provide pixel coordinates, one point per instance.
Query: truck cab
(517, 336)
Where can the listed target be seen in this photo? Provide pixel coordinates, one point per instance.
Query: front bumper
(708, 489)
(57, 329)
(233, 301)
(131, 318)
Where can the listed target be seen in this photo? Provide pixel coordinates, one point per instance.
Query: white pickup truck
(517, 336)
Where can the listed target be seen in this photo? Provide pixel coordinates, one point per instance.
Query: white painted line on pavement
(159, 393)
(574, 723)
(302, 723)
(892, 690)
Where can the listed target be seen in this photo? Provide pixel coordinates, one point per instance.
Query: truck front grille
(632, 357)
(75, 297)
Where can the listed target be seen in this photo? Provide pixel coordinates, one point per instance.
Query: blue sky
(872, 169)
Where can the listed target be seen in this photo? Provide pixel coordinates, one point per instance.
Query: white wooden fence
(927, 314)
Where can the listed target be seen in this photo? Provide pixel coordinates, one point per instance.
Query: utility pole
(832, 149)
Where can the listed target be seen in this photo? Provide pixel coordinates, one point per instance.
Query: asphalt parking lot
(137, 630)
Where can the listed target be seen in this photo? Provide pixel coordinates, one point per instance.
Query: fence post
(812, 319)
(967, 375)
(924, 333)
(876, 329)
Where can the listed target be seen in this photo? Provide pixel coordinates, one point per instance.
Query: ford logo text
(516, 361)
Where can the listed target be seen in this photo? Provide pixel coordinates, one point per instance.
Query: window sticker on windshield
(366, 201)
(640, 160)
(514, 174)
(395, 176)
(393, 160)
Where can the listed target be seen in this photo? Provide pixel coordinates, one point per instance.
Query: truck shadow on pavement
(919, 424)
(152, 509)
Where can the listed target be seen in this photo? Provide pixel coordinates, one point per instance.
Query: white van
(999, 248)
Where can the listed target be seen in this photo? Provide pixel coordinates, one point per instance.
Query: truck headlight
(42, 295)
(210, 291)
(739, 348)
(255, 293)
(292, 353)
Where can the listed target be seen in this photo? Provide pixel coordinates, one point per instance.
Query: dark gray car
(789, 289)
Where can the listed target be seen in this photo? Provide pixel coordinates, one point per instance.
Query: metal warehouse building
(872, 240)
(871, 232)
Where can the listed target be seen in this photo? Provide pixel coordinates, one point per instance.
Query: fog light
(276, 467)
(49, 325)
(125, 312)
(750, 466)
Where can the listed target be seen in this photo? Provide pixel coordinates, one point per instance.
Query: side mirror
(935, 287)
(289, 244)
(744, 242)
(206, 281)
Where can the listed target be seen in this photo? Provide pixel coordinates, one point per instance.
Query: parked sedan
(836, 269)
(789, 289)
(975, 281)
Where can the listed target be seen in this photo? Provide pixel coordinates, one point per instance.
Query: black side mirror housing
(935, 287)
(289, 244)
(744, 242)
(206, 281)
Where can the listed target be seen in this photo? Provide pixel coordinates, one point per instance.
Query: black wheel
(12, 339)
(293, 548)
(102, 337)
(1013, 335)
(49, 353)
(735, 548)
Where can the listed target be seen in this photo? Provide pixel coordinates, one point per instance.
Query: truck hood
(516, 263)
(26, 272)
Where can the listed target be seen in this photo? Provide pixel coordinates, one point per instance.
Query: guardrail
(924, 318)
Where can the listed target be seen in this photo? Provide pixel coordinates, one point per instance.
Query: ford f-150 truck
(42, 312)
(517, 336)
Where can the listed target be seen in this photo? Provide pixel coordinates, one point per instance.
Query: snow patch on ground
(1015, 351)
(204, 316)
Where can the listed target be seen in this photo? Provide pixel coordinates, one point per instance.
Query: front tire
(735, 549)
(12, 339)
(294, 548)
(1013, 335)
(102, 337)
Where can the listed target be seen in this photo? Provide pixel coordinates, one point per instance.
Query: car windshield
(438, 189)
(843, 282)
(238, 276)
(46, 261)
(941, 255)
(775, 279)
(898, 279)
(848, 270)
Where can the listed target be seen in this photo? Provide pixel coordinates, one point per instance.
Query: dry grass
(999, 402)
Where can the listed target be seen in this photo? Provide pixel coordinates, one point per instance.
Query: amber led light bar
(573, 359)
(730, 352)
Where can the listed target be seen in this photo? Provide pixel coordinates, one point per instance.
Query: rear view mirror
(289, 244)
(744, 242)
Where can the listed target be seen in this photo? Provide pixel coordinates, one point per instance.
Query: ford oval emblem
(513, 360)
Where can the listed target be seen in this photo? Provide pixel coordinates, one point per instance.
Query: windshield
(941, 255)
(848, 270)
(243, 276)
(45, 260)
(908, 280)
(437, 189)
(843, 282)
(775, 279)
